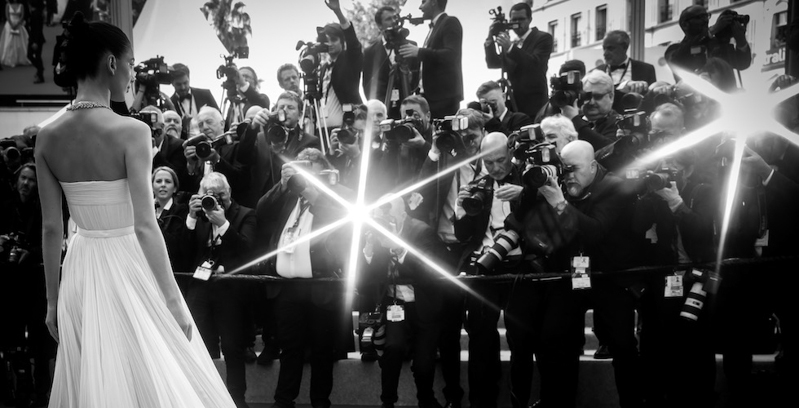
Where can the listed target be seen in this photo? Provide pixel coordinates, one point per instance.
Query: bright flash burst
(743, 114)
(359, 213)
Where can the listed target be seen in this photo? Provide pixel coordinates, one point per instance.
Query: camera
(148, 118)
(480, 193)
(372, 334)
(544, 161)
(15, 242)
(309, 51)
(204, 145)
(651, 180)
(153, 72)
(298, 184)
(209, 202)
(9, 148)
(501, 24)
(503, 243)
(743, 19)
(347, 134)
(447, 137)
(276, 133)
(704, 282)
(567, 88)
(401, 130)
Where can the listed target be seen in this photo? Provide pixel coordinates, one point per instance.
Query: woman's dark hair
(83, 44)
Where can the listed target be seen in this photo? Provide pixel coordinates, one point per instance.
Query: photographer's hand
(671, 196)
(333, 5)
(213, 157)
(261, 119)
(217, 216)
(503, 40)
(417, 141)
(195, 205)
(754, 163)
(409, 51)
(464, 192)
(570, 111)
(285, 174)
(509, 192)
(639, 87)
(552, 192)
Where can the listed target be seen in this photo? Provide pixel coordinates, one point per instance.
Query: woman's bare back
(88, 145)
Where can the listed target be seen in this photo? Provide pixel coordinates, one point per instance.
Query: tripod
(231, 105)
(398, 68)
(313, 108)
(505, 85)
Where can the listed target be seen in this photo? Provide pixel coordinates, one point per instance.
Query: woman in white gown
(124, 332)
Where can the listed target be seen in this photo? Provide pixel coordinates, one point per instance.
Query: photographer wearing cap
(307, 315)
(220, 150)
(267, 142)
(702, 42)
(221, 235)
(525, 59)
(495, 185)
(583, 224)
(339, 76)
(411, 300)
(492, 100)
(23, 302)
(592, 114)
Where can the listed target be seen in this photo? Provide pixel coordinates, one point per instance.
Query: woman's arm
(52, 229)
(137, 150)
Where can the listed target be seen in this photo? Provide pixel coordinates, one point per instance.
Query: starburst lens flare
(732, 189)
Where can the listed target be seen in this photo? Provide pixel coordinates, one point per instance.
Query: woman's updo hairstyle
(81, 47)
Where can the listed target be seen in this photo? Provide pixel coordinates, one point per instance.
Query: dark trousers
(451, 322)
(528, 103)
(420, 331)
(35, 56)
(300, 324)
(676, 354)
(443, 107)
(544, 319)
(220, 308)
(484, 361)
(614, 320)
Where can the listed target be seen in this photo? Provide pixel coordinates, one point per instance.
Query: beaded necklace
(86, 105)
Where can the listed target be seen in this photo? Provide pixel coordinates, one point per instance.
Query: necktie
(186, 97)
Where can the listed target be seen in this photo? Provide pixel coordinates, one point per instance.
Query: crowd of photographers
(528, 179)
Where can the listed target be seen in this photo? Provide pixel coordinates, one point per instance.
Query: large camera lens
(401, 133)
(276, 134)
(694, 302)
(12, 153)
(346, 136)
(503, 244)
(209, 202)
(657, 181)
(203, 150)
(447, 141)
(475, 203)
(537, 176)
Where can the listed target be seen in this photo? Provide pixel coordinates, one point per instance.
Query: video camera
(480, 193)
(567, 88)
(401, 130)
(448, 139)
(544, 162)
(204, 145)
(309, 61)
(230, 72)
(398, 35)
(501, 24)
(153, 72)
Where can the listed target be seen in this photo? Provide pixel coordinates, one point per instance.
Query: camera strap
(394, 312)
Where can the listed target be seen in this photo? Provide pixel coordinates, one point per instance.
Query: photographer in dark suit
(379, 60)
(628, 75)
(594, 119)
(441, 76)
(492, 100)
(221, 235)
(477, 231)
(411, 307)
(339, 78)
(308, 315)
(187, 100)
(525, 60)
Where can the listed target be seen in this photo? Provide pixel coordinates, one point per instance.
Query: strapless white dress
(119, 344)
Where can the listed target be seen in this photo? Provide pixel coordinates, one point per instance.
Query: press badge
(204, 272)
(395, 95)
(581, 272)
(674, 286)
(395, 313)
(288, 239)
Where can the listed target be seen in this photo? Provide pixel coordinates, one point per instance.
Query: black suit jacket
(442, 74)
(413, 270)
(376, 70)
(173, 226)
(237, 243)
(509, 124)
(347, 70)
(327, 251)
(641, 71)
(171, 155)
(601, 134)
(202, 97)
(527, 70)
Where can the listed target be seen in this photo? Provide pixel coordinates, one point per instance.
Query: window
(601, 21)
(779, 30)
(665, 10)
(553, 26)
(576, 30)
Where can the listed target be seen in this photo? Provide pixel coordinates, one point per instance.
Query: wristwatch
(561, 206)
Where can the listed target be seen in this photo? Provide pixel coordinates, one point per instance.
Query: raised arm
(52, 230)
(138, 149)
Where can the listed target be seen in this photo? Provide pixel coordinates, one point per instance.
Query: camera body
(543, 161)
(347, 134)
(651, 180)
(447, 137)
(204, 145)
(148, 118)
(298, 184)
(400, 130)
(153, 72)
(480, 193)
(11, 248)
(567, 88)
